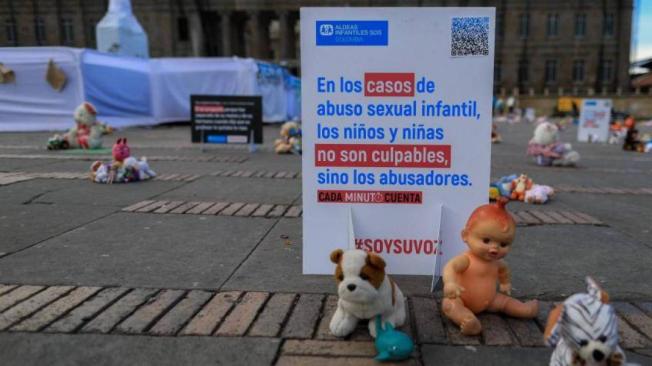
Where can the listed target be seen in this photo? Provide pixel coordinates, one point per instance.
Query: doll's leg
(455, 310)
(512, 307)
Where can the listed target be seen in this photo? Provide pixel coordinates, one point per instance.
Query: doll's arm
(504, 278)
(452, 271)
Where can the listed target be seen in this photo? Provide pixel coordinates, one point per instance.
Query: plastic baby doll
(470, 278)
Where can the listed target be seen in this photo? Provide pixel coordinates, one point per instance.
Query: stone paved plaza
(203, 264)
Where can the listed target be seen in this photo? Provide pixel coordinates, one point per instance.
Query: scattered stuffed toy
(290, 141)
(123, 169)
(391, 344)
(470, 278)
(632, 141)
(495, 136)
(365, 291)
(494, 192)
(584, 330)
(141, 166)
(617, 133)
(519, 186)
(86, 134)
(504, 185)
(547, 150)
(539, 194)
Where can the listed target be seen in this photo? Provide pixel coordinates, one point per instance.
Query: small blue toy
(504, 184)
(391, 344)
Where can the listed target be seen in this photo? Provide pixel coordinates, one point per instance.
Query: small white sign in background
(396, 113)
(594, 120)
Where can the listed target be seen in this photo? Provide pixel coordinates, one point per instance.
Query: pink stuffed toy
(121, 150)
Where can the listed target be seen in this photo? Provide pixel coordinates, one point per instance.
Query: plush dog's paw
(342, 325)
(616, 359)
(372, 328)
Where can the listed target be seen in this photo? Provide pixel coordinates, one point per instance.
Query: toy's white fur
(545, 133)
(539, 194)
(586, 328)
(144, 171)
(365, 301)
(85, 114)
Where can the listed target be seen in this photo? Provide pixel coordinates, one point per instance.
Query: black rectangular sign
(221, 119)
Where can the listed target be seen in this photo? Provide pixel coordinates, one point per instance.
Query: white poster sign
(594, 120)
(396, 112)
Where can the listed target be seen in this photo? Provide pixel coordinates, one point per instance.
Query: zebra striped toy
(584, 330)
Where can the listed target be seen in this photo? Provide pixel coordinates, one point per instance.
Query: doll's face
(489, 239)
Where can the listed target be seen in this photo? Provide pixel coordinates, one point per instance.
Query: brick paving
(240, 209)
(300, 319)
(91, 157)
(603, 190)
(257, 174)
(15, 177)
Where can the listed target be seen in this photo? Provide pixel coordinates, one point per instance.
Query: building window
(606, 71)
(551, 71)
(580, 25)
(497, 72)
(608, 25)
(10, 31)
(39, 30)
(523, 71)
(578, 70)
(182, 29)
(524, 25)
(552, 26)
(67, 31)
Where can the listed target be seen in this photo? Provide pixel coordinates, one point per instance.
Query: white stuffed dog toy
(364, 291)
(584, 330)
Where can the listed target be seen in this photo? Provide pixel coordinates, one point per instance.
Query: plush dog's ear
(552, 332)
(336, 256)
(596, 291)
(375, 261)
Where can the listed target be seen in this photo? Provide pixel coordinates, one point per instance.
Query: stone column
(624, 32)
(227, 35)
(256, 34)
(259, 35)
(196, 34)
(287, 38)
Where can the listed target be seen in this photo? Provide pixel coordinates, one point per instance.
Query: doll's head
(490, 230)
(121, 150)
(85, 114)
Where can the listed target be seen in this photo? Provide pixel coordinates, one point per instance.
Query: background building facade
(542, 47)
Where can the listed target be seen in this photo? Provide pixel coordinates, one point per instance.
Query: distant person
(500, 106)
(576, 110)
(511, 104)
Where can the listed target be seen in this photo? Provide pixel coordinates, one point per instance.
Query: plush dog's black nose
(598, 355)
(351, 287)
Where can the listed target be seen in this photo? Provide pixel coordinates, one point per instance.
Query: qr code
(470, 36)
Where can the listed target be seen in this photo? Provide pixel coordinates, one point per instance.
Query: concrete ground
(71, 232)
